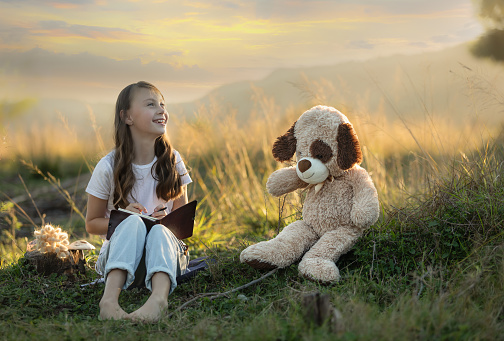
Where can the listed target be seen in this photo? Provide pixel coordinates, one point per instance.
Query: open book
(180, 221)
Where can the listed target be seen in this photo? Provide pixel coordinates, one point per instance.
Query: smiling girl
(143, 174)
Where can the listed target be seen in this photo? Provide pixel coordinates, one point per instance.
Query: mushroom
(77, 249)
(51, 239)
(77, 254)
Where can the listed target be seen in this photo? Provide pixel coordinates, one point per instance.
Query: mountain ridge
(440, 78)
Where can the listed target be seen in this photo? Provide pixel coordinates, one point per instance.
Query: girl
(142, 174)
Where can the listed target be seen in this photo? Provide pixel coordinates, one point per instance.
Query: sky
(90, 49)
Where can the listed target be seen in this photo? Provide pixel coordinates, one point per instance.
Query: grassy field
(432, 267)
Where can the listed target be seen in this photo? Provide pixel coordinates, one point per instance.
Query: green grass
(464, 302)
(433, 269)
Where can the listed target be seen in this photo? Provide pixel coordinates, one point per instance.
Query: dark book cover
(180, 221)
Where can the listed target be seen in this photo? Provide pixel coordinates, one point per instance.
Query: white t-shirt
(101, 184)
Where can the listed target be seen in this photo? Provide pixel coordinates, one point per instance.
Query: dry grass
(230, 160)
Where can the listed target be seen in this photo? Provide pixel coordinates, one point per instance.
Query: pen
(164, 208)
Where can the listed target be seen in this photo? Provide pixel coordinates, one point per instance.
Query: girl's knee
(161, 230)
(161, 234)
(132, 222)
(133, 225)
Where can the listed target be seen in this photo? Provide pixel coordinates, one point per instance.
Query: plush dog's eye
(321, 150)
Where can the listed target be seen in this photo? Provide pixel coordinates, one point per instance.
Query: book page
(139, 214)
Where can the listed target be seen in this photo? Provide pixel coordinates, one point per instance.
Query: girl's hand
(136, 207)
(159, 211)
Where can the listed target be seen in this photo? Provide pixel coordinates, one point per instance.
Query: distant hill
(445, 82)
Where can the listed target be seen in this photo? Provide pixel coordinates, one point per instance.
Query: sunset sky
(91, 49)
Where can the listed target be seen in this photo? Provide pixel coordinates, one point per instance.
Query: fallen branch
(213, 296)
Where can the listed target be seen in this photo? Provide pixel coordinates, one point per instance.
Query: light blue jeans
(163, 252)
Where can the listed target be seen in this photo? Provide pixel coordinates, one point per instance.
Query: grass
(463, 301)
(432, 267)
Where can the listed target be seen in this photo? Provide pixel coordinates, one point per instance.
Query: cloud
(92, 68)
(419, 44)
(469, 31)
(51, 2)
(422, 6)
(61, 28)
(12, 35)
(304, 9)
(222, 36)
(264, 9)
(444, 39)
(176, 53)
(230, 4)
(401, 7)
(360, 44)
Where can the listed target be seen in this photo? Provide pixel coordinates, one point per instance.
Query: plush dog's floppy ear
(349, 152)
(285, 146)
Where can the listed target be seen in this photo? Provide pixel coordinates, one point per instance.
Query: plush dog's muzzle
(311, 170)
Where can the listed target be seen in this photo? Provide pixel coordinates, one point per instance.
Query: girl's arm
(182, 200)
(96, 223)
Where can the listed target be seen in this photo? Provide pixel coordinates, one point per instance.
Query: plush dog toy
(341, 200)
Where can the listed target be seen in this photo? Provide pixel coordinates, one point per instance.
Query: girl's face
(147, 116)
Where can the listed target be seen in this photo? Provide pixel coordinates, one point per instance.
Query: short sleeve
(100, 184)
(181, 169)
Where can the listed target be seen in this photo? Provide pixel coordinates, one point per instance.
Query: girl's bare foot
(109, 304)
(151, 311)
(111, 311)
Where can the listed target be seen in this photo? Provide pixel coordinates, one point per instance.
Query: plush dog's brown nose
(304, 165)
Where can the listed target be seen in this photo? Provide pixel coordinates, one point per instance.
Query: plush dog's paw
(268, 255)
(284, 181)
(277, 183)
(319, 270)
(254, 256)
(257, 264)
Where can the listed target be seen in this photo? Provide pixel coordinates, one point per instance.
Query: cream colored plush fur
(340, 203)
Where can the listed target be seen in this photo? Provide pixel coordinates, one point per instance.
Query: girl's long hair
(163, 170)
